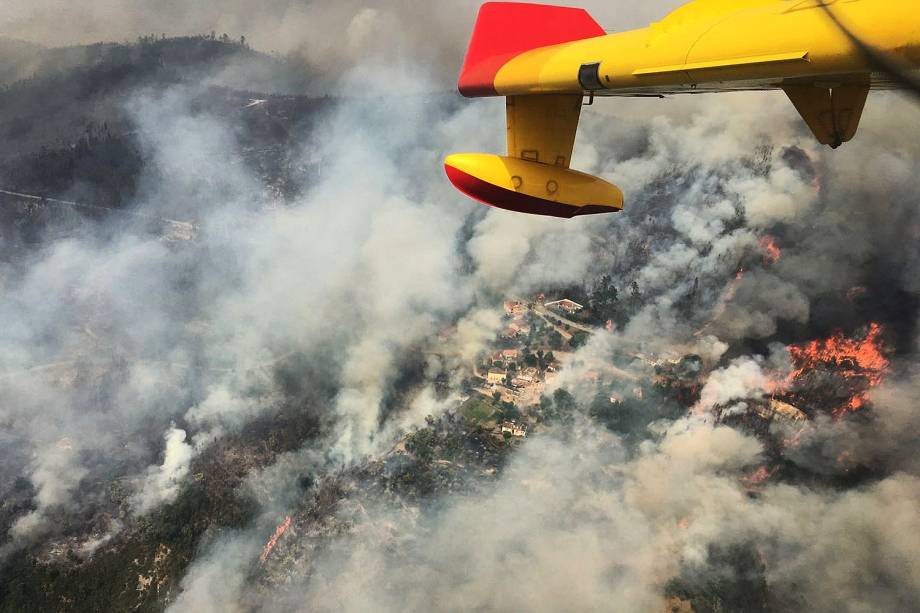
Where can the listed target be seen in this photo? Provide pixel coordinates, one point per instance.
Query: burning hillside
(771, 251)
(837, 374)
(273, 541)
(349, 389)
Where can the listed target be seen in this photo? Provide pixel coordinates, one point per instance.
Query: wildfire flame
(771, 251)
(861, 361)
(759, 476)
(270, 545)
(844, 459)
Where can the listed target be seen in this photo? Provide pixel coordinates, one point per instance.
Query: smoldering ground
(166, 350)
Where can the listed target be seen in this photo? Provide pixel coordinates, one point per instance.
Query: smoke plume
(129, 358)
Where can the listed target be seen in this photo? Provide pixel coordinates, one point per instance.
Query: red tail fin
(506, 29)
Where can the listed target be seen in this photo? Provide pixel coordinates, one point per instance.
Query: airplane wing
(534, 177)
(546, 59)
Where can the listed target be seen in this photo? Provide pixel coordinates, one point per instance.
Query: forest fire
(759, 477)
(771, 251)
(270, 545)
(861, 363)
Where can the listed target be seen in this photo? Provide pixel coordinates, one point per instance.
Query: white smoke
(55, 473)
(367, 265)
(743, 378)
(162, 483)
(576, 522)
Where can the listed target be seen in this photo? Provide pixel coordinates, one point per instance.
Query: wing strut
(542, 128)
(535, 176)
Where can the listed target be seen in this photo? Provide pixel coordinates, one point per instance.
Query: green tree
(555, 340)
(579, 339)
(564, 400)
(422, 444)
(604, 301)
(635, 298)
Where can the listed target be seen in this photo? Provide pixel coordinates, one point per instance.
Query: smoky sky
(334, 36)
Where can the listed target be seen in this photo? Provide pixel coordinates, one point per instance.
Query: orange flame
(853, 359)
(729, 293)
(759, 476)
(818, 182)
(270, 545)
(844, 458)
(771, 251)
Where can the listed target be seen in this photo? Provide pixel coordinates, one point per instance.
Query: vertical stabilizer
(504, 30)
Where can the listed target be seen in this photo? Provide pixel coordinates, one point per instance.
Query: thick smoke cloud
(579, 523)
(110, 343)
(584, 522)
(741, 379)
(136, 353)
(162, 483)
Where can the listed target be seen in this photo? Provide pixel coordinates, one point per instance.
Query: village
(511, 384)
(510, 380)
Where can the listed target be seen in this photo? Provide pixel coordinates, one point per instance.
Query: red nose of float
(531, 187)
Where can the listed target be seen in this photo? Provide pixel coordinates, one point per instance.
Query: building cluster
(522, 362)
(569, 306)
(518, 326)
(519, 371)
(515, 429)
(510, 376)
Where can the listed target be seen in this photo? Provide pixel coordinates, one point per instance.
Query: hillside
(68, 131)
(258, 355)
(19, 58)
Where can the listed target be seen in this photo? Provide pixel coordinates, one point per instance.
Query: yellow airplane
(546, 59)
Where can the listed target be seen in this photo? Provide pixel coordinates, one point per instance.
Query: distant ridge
(16, 56)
